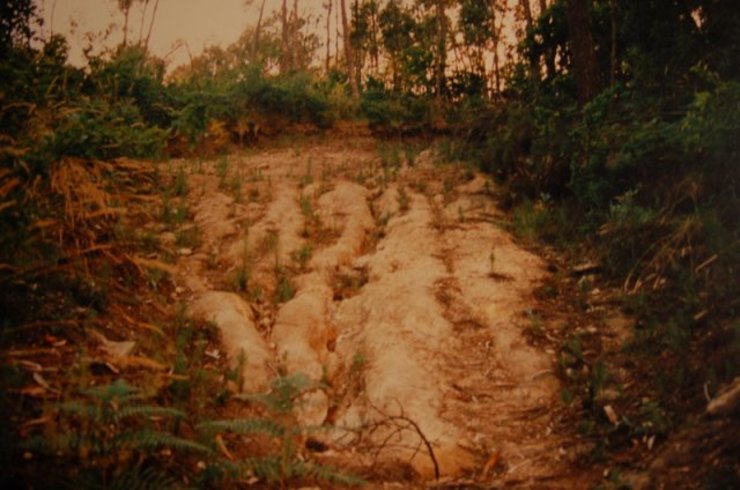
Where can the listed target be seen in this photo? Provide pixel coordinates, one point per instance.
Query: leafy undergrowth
(105, 382)
(635, 388)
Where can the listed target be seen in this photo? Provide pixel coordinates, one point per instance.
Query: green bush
(95, 129)
(389, 112)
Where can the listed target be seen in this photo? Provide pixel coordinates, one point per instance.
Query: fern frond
(243, 426)
(284, 391)
(119, 390)
(329, 474)
(148, 411)
(269, 468)
(151, 439)
(133, 478)
(86, 410)
(147, 479)
(63, 443)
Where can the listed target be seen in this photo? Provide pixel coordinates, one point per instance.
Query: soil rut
(394, 291)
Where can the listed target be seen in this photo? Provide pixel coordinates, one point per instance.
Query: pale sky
(199, 23)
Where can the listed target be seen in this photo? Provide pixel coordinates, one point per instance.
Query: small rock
(585, 268)
(611, 414)
(115, 349)
(185, 252)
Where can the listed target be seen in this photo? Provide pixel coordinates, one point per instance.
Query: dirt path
(393, 290)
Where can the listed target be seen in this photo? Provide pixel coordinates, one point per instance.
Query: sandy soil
(395, 292)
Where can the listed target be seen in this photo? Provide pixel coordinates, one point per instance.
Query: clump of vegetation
(283, 464)
(102, 430)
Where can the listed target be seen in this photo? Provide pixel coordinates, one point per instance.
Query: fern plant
(107, 436)
(286, 465)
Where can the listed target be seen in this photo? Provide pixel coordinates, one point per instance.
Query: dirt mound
(244, 345)
(402, 305)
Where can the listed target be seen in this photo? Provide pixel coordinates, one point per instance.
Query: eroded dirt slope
(387, 283)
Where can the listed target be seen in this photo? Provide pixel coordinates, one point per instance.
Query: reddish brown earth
(398, 294)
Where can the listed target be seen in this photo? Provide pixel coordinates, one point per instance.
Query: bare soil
(398, 294)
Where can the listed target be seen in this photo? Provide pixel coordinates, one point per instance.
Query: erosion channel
(389, 285)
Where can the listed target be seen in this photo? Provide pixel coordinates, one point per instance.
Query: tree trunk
(534, 62)
(496, 39)
(441, 48)
(328, 7)
(126, 12)
(583, 49)
(51, 19)
(151, 24)
(337, 34)
(348, 55)
(527, 10)
(141, 23)
(358, 54)
(613, 54)
(284, 47)
(294, 40)
(257, 32)
(551, 51)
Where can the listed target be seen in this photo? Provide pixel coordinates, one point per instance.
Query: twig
(415, 426)
(541, 373)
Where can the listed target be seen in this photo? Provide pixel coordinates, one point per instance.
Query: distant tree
(151, 24)
(396, 27)
(16, 17)
(476, 24)
(125, 7)
(583, 49)
(349, 57)
(365, 36)
(328, 6)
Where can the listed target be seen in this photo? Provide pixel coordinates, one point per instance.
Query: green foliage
(284, 290)
(105, 431)
(391, 113)
(285, 464)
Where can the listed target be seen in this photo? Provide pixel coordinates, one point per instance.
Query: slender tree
(151, 23)
(337, 33)
(534, 65)
(125, 8)
(295, 42)
(613, 50)
(348, 54)
(284, 38)
(257, 31)
(497, 19)
(441, 55)
(583, 49)
(527, 11)
(51, 18)
(141, 22)
(328, 6)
